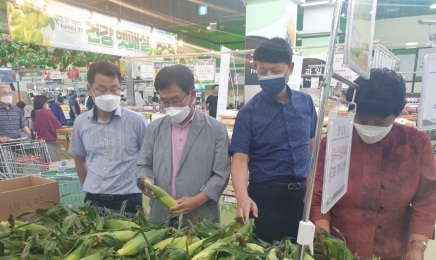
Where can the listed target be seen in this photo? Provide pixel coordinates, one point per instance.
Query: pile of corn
(74, 234)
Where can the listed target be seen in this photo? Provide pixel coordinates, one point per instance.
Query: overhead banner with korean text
(59, 25)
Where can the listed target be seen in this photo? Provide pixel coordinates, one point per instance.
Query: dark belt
(108, 197)
(289, 186)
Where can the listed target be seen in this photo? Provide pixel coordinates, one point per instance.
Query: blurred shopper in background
(12, 120)
(44, 121)
(57, 110)
(74, 105)
(211, 103)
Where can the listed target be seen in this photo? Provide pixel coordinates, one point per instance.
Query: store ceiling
(181, 17)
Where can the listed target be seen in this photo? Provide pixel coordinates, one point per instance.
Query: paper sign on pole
(295, 78)
(224, 81)
(147, 70)
(340, 68)
(427, 107)
(205, 71)
(359, 36)
(337, 160)
(314, 82)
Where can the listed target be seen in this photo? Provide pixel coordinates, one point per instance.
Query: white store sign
(337, 160)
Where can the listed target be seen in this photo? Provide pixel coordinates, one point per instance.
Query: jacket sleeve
(145, 157)
(424, 204)
(221, 167)
(54, 120)
(315, 209)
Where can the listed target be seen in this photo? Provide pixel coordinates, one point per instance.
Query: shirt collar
(10, 107)
(267, 98)
(95, 117)
(190, 120)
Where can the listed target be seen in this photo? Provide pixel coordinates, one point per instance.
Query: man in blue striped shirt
(11, 118)
(106, 141)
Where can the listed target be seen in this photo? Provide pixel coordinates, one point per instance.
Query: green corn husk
(194, 246)
(138, 243)
(119, 224)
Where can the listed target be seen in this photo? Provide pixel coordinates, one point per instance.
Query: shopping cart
(24, 156)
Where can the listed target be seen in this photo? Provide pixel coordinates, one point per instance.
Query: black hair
(20, 104)
(73, 92)
(38, 103)
(104, 68)
(215, 85)
(275, 50)
(60, 99)
(177, 74)
(81, 95)
(32, 95)
(380, 96)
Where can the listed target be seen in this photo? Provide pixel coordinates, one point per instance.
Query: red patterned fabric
(391, 193)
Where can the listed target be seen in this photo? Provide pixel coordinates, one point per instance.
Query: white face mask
(6, 100)
(178, 114)
(372, 134)
(108, 102)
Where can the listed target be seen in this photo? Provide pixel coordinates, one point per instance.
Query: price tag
(337, 159)
(230, 199)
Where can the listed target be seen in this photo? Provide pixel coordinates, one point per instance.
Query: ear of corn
(138, 243)
(75, 255)
(255, 247)
(119, 224)
(272, 255)
(235, 226)
(177, 254)
(95, 256)
(163, 197)
(20, 226)
(180, 243)
(164, 243)
(208, 252)
(194, 246)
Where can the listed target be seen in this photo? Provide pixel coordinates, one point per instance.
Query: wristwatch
(416, 241)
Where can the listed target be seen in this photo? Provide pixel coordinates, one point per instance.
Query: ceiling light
(433, 6)
(315, 3)
(208, 27)
(411, 43)
(180, 43)
(343, 14)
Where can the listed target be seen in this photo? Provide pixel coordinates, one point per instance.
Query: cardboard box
(63, 145)
(20, 195)
(64, 133)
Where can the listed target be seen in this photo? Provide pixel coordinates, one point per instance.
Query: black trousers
(72, 115)
(114, 201)
(280, 211)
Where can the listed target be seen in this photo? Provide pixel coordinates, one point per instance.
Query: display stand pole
(325, 90)
(130, 88)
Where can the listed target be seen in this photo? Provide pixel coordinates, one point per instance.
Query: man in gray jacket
(184, 153)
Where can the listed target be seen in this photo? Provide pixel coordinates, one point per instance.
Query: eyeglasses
(103, 91)
(174, 103)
